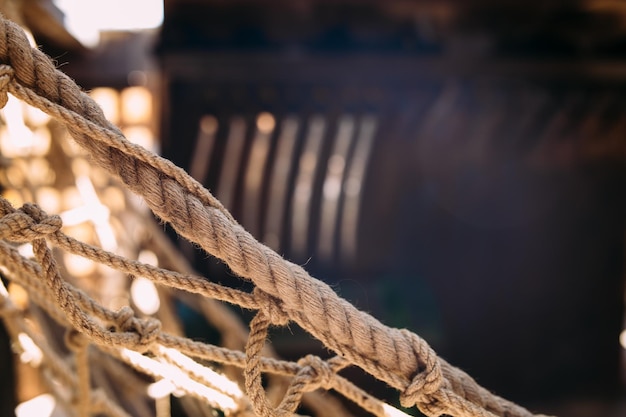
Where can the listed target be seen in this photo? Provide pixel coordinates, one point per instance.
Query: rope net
(115, 361)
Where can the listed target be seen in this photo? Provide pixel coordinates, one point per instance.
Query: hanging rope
(284, 292)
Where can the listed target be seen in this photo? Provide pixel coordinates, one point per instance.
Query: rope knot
(319, 372)
(271, 307)
(6, 75)
(427, 381)
(28, 223)
(124, 319)
(147, 329)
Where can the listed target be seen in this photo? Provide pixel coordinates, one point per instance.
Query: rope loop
(271, 307)
(319, 372)
(426, 382)
(6, 76)
(147, 329)
(27, 224)
(124, 319)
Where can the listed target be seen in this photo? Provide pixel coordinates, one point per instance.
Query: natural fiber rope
(196, 349)
(284, 290)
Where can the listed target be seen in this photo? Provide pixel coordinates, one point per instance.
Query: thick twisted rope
(395, 356)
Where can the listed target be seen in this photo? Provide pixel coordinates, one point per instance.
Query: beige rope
(24, 227)
(234, 333)
(284, 291)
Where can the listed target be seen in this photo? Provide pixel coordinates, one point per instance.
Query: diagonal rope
(285, 290)
(29, 274)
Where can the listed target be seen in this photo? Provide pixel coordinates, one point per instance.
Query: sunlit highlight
(31, 353)
(70, 199)
(145, 295)
(77, 265)
(148, 257)
(142, 136)
(179, 379)
(85, 19)
(13, 196)
(18, 295)
(35, 117)
(92, 210)
(80, 167)
(209, 124)
(39, 171)
(115, 198)
(265, 122)
(161, 389)
(393, 412)
(136, 105)
(41, 406)
(26, 250)
(15, 175)
(19, 139)
(108, 100)
(213, 379)
(49, 199)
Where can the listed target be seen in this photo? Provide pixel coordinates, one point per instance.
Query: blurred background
(454, 167)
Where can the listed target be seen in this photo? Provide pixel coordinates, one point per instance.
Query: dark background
(492, 209)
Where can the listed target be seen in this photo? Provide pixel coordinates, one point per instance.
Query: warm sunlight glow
(31, 353)
(136, 105)
(213, 378)
(85, 19)
(393, 412)
(148, 257)
(179, 379)
(26, 250)
(35, 117)
(115, 198)
(40, 406)
(108, 100)
(209, 124)
(39, 171)
(49, 199)
(13, 196)
(78, 266)
(265, 122)
(145, 295)
(19, 139)
(18, 295)
(622, 339)
(41, 140)
(92, 210)
(141, 136)
(161, 389)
